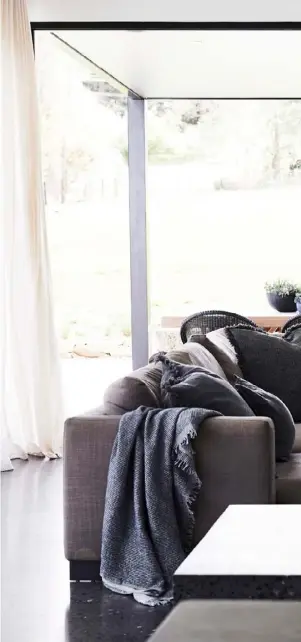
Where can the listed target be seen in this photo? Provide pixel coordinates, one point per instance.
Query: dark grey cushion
(264, 404)
(271, 363)
(195, 387)
(293, 334)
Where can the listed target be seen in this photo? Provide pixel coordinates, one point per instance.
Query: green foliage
(126, 331)
(84, 122)
(281, 287)
(157, 148)
(295, 165)
(195, 113)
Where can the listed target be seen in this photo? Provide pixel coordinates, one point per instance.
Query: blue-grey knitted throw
(152, 484)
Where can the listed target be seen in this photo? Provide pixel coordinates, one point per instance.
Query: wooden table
(269, 322)
(205, 621)
(251, 552)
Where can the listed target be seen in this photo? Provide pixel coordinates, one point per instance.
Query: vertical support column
(138, 229)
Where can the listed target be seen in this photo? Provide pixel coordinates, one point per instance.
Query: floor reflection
(38, 604)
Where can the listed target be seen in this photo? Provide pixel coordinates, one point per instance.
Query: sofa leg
(85, 570)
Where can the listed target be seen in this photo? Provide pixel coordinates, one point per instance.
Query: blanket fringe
(140, 596)
(182, 462)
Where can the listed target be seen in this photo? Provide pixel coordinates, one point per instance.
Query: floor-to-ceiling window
(223, 180)
(224, 191)
(85, 147)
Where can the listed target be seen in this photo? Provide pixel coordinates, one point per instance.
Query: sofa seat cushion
(288, 482)
(297, 442)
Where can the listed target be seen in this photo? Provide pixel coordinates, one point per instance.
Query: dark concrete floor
(38, 604)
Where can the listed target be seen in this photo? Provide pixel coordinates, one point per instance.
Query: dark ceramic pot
(284, 303)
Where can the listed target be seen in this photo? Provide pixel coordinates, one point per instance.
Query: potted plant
(298, 299)
(281, 295)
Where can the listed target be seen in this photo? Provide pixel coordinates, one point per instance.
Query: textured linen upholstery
(297, 444)
(139, 388)
(234, 459)
(88, 442)
(288, 482)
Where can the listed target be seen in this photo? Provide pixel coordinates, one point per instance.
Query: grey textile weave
(148, 518)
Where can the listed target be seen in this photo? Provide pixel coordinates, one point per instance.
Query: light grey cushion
(264, 404)
(194, 387)
(220, 339)
(226, 360)
(197, 354)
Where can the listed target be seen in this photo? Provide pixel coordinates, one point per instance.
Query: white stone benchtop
(249, 540)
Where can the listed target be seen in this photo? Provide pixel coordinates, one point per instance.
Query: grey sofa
(235, 459)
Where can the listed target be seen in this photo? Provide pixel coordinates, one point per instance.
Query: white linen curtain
(31, 401)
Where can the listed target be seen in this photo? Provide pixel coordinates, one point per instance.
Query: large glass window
(224, 186)
(85, 173)
(223, 177)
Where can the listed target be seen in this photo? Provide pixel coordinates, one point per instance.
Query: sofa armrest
(235, 460)
(88, 442)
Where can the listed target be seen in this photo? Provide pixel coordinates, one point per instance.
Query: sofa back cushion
(139, 388)
(297, 442)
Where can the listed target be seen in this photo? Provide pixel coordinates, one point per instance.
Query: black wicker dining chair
(203, 322)
(295, 320)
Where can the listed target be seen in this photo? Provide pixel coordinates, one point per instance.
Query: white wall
(164, 10)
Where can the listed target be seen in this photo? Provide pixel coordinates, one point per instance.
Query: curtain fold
(31, 400)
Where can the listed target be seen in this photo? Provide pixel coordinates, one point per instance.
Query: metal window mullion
(138, 229)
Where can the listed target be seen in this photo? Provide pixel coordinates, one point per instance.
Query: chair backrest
(204, 322)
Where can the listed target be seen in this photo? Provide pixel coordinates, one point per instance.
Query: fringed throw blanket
(152, 484)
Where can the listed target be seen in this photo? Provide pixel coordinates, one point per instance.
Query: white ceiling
(197, 64)
(163, 10)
